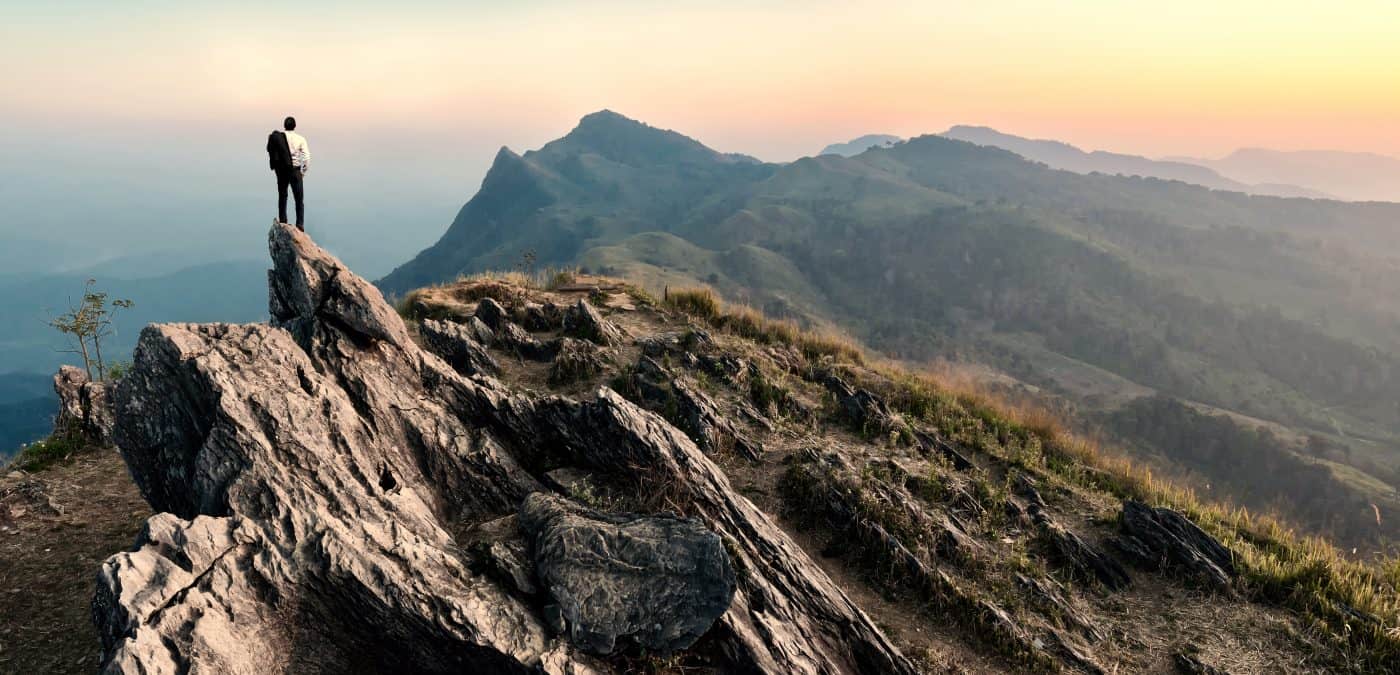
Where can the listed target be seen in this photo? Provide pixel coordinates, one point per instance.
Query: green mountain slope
(1279, 311)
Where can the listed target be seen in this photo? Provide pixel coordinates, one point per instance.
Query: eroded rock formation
(321, 479)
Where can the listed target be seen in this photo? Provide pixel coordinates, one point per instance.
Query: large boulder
(657, 581)
(584, 322)
(314, 475)
(83, 407)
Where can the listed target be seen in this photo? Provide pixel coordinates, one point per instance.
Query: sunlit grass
(1355, 602)
(747, 322)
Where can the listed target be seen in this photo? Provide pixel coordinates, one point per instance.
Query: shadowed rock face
(309, 473)
(1163, 538)
(657, 581)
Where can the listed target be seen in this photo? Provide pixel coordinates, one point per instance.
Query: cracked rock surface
(309, 476)
(658, 581)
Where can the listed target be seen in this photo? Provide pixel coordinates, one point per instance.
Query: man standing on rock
(289, 157)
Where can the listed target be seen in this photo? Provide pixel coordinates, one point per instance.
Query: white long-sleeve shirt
(301, 153)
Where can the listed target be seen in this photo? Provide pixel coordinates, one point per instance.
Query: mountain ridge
(939, 248)
(1061, 155)
(1359, 176)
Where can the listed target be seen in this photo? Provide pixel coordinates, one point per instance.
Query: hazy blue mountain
(1360, 176)
(1094, 287)
(229, 291)
(22, 386)
(27, 407)
(855, 147)
(1060, 155)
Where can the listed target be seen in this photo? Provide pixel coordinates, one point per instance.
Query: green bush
(44, 453)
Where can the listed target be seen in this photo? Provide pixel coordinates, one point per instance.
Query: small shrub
(44, 453)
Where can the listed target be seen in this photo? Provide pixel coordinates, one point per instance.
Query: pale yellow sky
(774, 79)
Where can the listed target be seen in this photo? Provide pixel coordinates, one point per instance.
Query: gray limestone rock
(657, 581)
(457, 345)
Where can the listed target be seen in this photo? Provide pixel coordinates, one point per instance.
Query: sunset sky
(135, 126)
(778, 80)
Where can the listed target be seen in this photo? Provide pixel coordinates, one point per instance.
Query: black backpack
(279, 154)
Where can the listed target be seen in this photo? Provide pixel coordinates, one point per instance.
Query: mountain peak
(858, 145)
(628, 141)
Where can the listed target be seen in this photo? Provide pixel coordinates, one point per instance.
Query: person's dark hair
(289, 124)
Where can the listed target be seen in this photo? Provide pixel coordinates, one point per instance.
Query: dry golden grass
(747, 322)
(1277, 565)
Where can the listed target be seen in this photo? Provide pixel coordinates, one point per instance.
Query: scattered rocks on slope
(491, 313)
(457, 345)
(21, 496)
(659, 390)
(1085, 560)
(863, 409)
(313, 470)
(660, 344)
(582, 321)
(83, 406)
(1049, 594)
(657, 581)
(931, 443)
(540, 318)
(512, 338)
(1164, 539)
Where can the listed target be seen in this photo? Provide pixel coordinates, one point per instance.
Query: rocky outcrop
(863, 410)
(659, 390)
(322, 480)
(657, 581)
(584, 322)
(458, 346)
(83, 407)
(1084, 560)
(1161, 538)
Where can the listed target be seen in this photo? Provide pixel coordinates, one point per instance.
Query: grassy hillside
(916, 499)
(1091, 290)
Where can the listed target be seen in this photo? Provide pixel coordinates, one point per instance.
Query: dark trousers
(285, 178)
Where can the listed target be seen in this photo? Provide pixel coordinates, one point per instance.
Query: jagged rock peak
(308, 286)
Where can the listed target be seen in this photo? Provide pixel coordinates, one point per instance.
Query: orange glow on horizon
(1192, 78)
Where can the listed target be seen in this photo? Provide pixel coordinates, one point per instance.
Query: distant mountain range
(1315, 174)
(27, 407)
(1356, 176)
(859, 145)
(1059, 155)
(1097, 288)
(225, 291)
